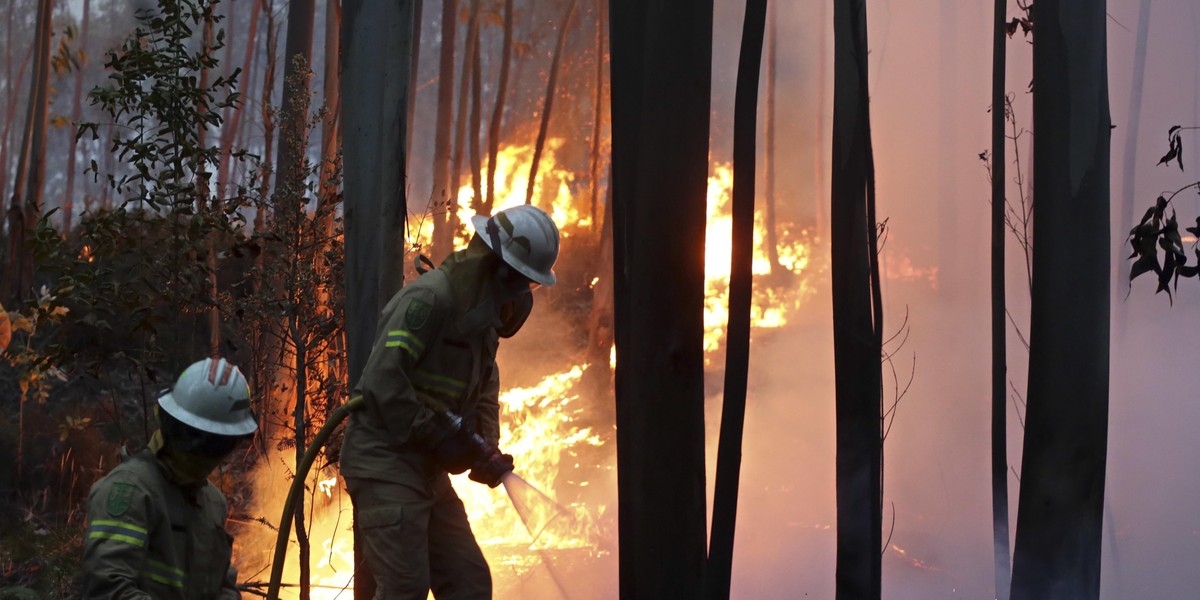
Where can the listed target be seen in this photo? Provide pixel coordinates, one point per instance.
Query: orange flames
(539, 424)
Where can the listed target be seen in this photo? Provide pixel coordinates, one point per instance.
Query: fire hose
(289, 505)
(522, 495)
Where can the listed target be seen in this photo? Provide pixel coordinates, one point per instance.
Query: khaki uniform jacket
(421, 358)
(148, 538)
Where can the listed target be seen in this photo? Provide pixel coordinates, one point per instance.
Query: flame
(551, 192)
(771, 305)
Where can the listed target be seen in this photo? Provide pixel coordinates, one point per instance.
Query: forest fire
(540, 424)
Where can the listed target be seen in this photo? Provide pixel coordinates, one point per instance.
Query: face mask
(187, 468)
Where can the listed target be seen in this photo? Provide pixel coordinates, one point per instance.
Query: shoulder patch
(417, 314)
(119, 498)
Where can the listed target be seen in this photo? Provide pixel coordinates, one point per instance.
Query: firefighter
(430, 388)
(156, 526)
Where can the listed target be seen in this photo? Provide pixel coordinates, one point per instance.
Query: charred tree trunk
(414, 71)
(293, 123)
(598, 105)
(1002, 566)
(719, 569)
(548, 103)
(857, 319)
(661, 78)
(76, 114)
(201, 169)
(498, 110)
(38, 107)
(376, 57)
(1060, 509)
(440, 196)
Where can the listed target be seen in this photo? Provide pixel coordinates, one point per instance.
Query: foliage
(1157, 244)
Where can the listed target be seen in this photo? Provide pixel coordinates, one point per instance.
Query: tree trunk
(233, 125)
(460, 131)
(76, 114)
(857, 324)
(330, 134)
(1060, 508)
(661, 83)
(598, 105)
(548, 103)
(414, 71)
(476, 124)
(772, 241)
(819, 122)
(1002, 566)
(290, 169)
(268, 110)
(1129, 168)
(741, 273)
(376, 56)
(498, 111)
(38, 107)
(440, 196)
(11, 291)
(201, 169)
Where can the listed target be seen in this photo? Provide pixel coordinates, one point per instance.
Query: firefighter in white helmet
(430, 387)
(156, 526)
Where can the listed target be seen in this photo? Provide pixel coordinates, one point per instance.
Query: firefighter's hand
(492, 468)
(458, 450)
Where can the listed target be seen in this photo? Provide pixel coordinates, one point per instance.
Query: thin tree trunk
(1129, 169)
(440, 196)
(290, 171)
(548, 103)
(772, 240)
(598, 106)
(857, 324)
(268, 112)
(330, 134)
(498, 110)
(661, 83)
(476, 124)
(1003, 570)
(10, 291)
(76, 114)
(232, 127)
(38, 106)
(819, 120)
(10, 98)
(460, 126)
(719, 570)
(414, 71)
(1061, 504)
(201, 169)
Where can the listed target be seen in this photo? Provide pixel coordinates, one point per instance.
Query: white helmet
(212, 396)
(524, 237)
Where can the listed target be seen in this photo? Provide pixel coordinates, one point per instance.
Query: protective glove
(490, 469)
(459, 449)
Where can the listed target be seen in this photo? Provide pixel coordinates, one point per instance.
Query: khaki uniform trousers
(417, 540)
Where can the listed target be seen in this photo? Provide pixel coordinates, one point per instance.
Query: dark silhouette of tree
(1060, 510)
(741, 274)
(661, 83)
(76, 113)
(857, 313)
(374, 90)
(1002, 566)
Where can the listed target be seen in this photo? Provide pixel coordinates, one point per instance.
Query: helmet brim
(244, 427)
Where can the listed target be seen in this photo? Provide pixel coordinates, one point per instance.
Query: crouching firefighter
(430, 407)
(156, 526)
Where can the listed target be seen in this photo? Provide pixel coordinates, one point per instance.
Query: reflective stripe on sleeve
(439, 384)
(401, 338)
(164, 574)
(117, 531)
